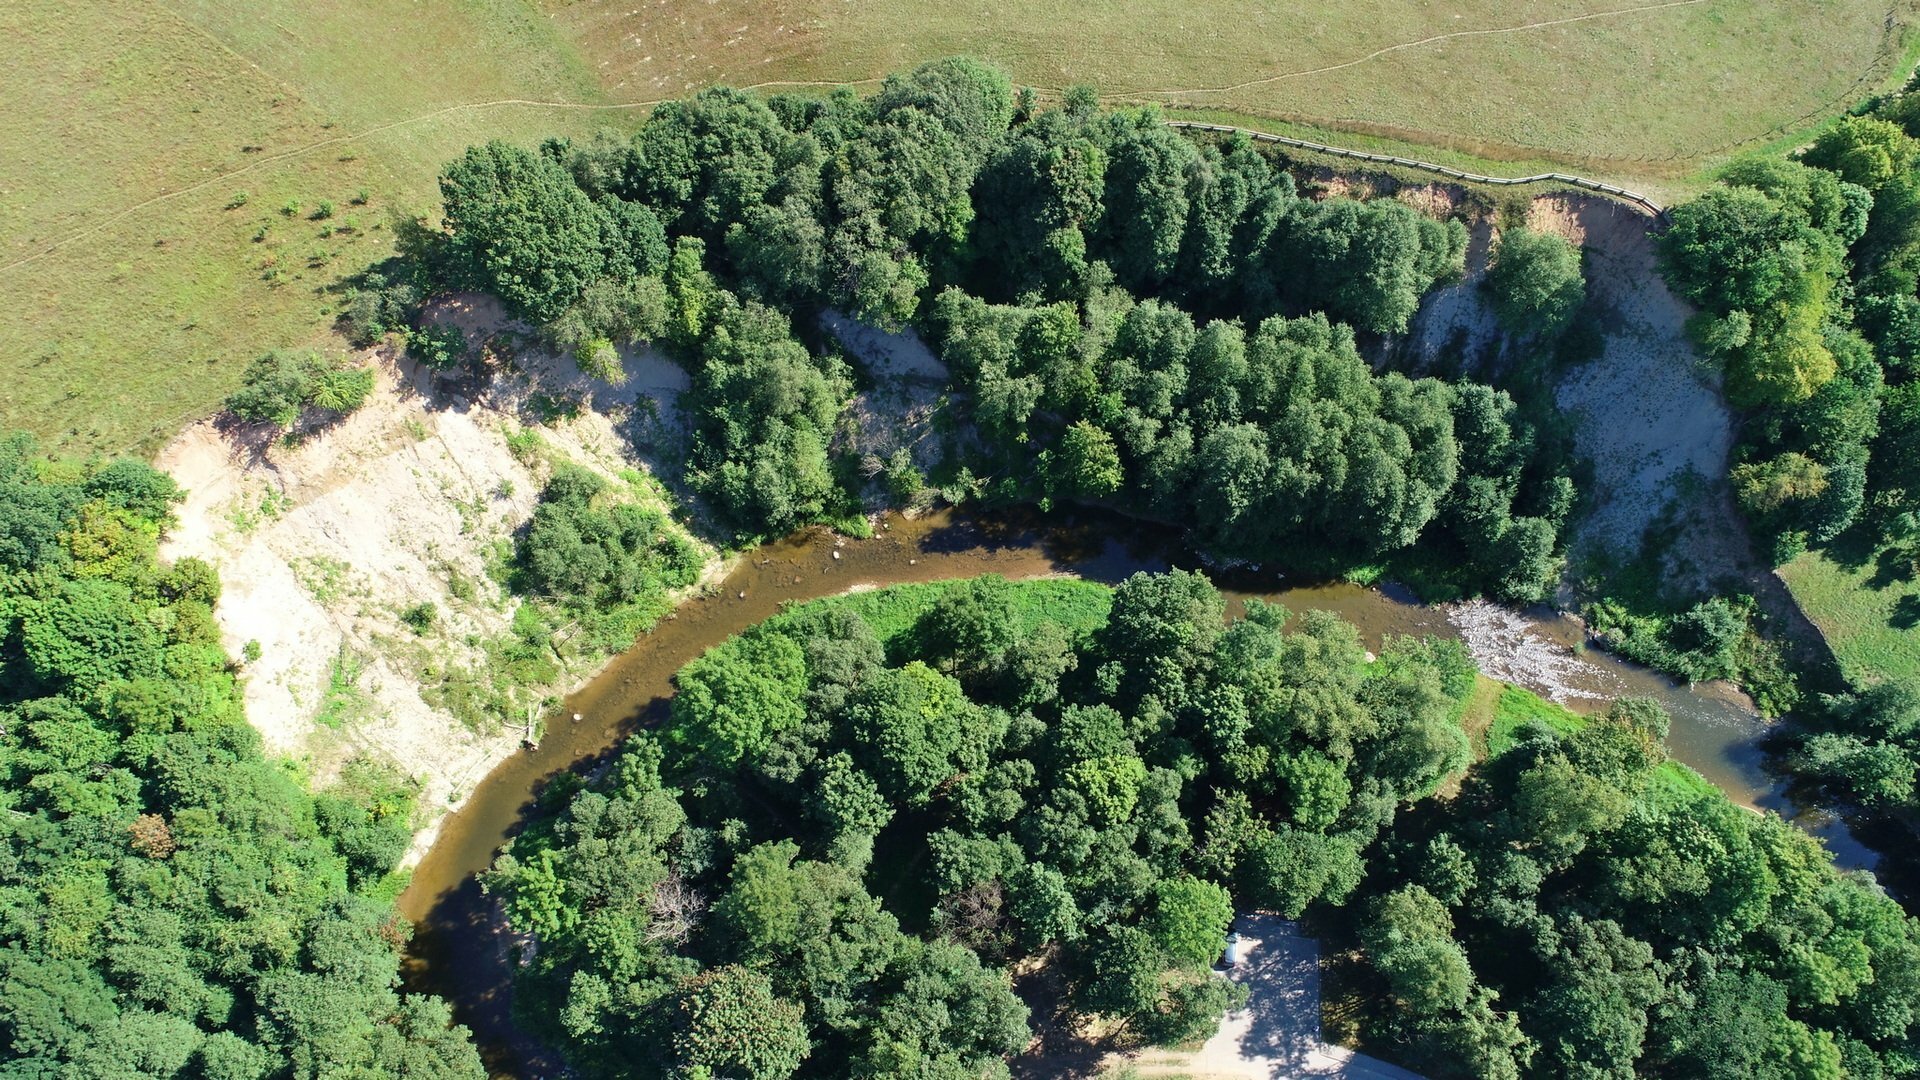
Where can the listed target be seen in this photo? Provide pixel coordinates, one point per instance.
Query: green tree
(1409, 938)
(914, 729)
(1864, 150)
(528, 232)
(1535, 281)
(729, 1022)
(1190, 919)
(732, 701)
(1087, 463)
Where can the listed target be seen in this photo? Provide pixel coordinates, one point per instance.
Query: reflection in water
(459, 952)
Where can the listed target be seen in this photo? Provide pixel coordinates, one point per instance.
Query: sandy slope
(1649, 412)
(322, 545)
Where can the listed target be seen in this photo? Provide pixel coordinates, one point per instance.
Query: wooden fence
(1634, 197)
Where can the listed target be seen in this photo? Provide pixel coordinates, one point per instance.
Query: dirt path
(1278, 1033)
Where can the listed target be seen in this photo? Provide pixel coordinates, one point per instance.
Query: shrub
(607, 562)
(437, 347)
(378, 307)
(342, 389)
(273, 388)
(276, 387)
(421, 616)
(598, 359)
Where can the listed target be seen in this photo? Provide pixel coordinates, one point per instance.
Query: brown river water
(459, 951)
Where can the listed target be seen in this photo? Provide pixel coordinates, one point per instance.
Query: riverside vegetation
(1805, 272)
(171, 902)
(862, 811)
(865, 809)
(1130, 318)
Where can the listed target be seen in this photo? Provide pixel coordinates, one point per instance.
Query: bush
(1536, 282)
(437, 347)
(598, 359)
(272, 389)
(421, 616)
(277, 387)
(342, 389)
(378, 307)
(607, 562)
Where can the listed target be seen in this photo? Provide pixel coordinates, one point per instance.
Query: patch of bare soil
(1454, 330)
(1065, 1043)
(1648, 411)
(906, 385)
(323, 543)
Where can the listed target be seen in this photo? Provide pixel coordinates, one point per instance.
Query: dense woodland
(1805, 271)
(171, 902)
(866, 809)
(1131, 318)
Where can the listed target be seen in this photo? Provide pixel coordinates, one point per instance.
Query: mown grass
(1647, 93)
(134, 325)
(1871, 619)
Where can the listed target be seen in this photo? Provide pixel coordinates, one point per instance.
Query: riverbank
(332, 544)
(462, 950)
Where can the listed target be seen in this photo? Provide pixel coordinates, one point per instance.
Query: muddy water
(457, 952)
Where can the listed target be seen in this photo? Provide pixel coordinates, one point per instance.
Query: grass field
(1516, 708)
(139, 284)
(1076, 605)
(137, 322)
(1649, 87)
(1871, 620)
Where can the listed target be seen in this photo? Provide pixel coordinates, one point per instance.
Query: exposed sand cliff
(323, 544)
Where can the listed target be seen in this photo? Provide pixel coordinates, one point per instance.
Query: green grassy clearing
(139, 323)
(1871, 622)
(1078, 606)
(1654, 92)
(1516, 708)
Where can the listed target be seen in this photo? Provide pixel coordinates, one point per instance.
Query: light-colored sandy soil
(321, 546)
(1454, 323)
(907, 382)
(1649, 412)
(1277, 1035)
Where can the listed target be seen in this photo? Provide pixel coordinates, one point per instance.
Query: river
(457, 950)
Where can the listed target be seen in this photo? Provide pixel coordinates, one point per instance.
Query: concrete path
(1277, 1035)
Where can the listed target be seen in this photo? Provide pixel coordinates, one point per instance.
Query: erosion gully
(460, 951)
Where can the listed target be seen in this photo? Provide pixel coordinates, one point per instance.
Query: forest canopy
(865, 810)
(172, 903)
(1131, 317)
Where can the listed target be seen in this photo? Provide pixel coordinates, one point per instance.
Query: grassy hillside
(128, 316)
(1638, 87)
(139, 282)
(1870, 620)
